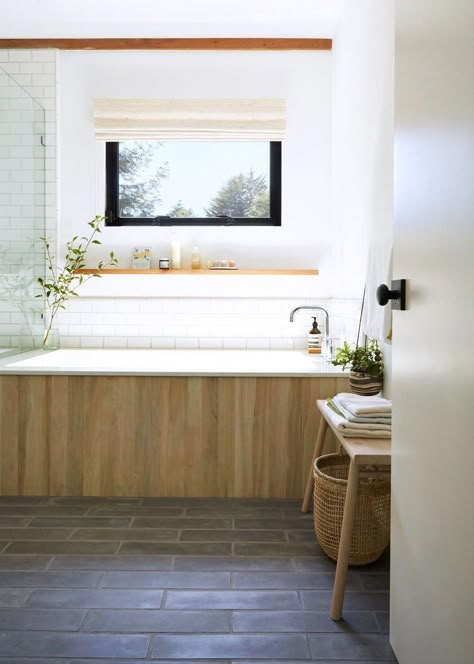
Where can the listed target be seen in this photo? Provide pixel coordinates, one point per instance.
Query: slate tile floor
(90, 580)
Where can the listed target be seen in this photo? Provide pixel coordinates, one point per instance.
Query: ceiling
(169, 18)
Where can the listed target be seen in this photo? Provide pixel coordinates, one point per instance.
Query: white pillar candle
(175, 255)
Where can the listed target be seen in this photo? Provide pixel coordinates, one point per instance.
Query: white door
(432, 586)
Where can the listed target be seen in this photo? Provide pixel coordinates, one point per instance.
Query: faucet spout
(315, 308)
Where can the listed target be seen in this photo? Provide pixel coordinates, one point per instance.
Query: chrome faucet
(292, 315)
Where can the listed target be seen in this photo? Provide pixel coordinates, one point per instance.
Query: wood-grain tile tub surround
(246, 437)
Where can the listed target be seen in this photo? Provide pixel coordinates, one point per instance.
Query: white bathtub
(145, 362)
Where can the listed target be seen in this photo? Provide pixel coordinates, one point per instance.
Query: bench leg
(345, 542)
(318, 448)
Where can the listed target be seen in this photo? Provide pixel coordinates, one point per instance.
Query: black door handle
(397, 294)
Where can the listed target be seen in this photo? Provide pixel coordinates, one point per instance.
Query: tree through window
(193, 183)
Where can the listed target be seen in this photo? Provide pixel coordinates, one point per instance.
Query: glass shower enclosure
(22, 216)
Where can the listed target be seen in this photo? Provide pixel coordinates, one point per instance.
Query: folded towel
(363, 406)
(353, 431)
(369, 419)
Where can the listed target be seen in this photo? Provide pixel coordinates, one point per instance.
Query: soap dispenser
(314, 338)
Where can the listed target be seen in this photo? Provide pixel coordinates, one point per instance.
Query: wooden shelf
(205, 272)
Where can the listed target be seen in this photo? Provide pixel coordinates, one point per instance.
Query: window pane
(194, 179)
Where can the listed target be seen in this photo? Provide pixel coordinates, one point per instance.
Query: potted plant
(61, 283)
(366, 363)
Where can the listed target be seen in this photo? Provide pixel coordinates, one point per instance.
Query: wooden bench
(361, 451)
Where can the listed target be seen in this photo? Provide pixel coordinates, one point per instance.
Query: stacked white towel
(361, 417)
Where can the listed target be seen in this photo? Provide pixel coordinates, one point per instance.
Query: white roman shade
(190, 119)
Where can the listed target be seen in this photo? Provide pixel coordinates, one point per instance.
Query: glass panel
(194, 179)
(22, 216)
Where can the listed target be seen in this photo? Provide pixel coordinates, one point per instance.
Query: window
(193, 183)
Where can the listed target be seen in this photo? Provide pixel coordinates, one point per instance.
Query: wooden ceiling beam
(175, 44)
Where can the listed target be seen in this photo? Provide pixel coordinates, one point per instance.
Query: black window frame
(112, 198)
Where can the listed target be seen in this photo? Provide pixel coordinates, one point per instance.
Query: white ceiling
(169, 18)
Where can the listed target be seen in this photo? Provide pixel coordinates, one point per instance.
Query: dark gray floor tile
(62, 547)
(79, 522)
(41, 619)
(3, 546)
(126, 534)
(90, 501)
(383, 619)
(166, 580)
(276, 549)
(350, 646)
(35, 660)
(353, 601)
(24, 500)
(236, 511)
(229, 645)
(303, 621)
(274, 524)
(104, 563)
(157, 621)
(373, 581)
(315, 564)
(140, 661)
(42, 510)
(178, 548)
(133, 510)
(13, 521)
(28, 563)
(232, 536)
(291, 580)
(55, 644)
(288, 661)
(296, 513)
(95, 599)
(50, 579)
(180, 522)
(231, 564)
(13, 596)
(226, 503)
(234, 599)
(11, 534)
(301, 536)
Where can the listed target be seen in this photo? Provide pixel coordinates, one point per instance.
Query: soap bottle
(196, 259)
(314, 338)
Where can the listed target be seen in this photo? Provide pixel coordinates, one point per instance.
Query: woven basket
(371, 532)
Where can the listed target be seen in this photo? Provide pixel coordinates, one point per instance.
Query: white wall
(160, 311)
(303, 79)
(362, 137)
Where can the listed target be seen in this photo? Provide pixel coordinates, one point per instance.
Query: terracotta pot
(365, 385)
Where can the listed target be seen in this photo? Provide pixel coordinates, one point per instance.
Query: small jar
(164, 263)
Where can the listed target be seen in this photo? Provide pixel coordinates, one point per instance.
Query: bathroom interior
(158, 424)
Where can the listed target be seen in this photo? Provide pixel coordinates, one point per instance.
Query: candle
(175, 255)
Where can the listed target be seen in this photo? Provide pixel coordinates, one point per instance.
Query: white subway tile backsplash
(92, 342)
(139, 342)
(281, 344)
(256, 343)
(234, 342)
(115, 342)
(103, 306)
(187, 342)
(210, 342)
(163, 342)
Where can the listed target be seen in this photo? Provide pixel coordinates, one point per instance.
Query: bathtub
(215, 423)
(160, 362)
